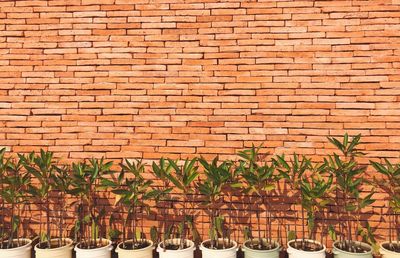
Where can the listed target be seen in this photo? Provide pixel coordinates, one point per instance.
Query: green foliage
(247, 233)
(14, 183)
(291, 235)
(132, 191)
(42, 167)
(314, 189)
(310, 184)
(217, 178)
(87, 181)
(154, 234)
(258, 177)
(349, 180)
(293, 170)
(183, 176)
(389, 182)
(367, 235)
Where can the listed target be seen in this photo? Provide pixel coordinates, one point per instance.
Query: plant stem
(260, 244)
(182, 244)
(133, 223)
(390, 228)
(10, 239)
(212, 224)
(48, 220)
(303, 227)
(125, 222)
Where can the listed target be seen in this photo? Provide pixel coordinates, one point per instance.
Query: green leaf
(291, 235)
(332, 233)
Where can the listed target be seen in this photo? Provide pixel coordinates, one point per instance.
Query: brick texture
(152, 78)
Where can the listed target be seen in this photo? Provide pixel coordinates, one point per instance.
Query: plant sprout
(258, 178)
(349, 183)
(160, 172)
(390, 183)
(293, 172)
(42, 167)
(62, 184)
(182, 177)
(314, 188)
(132, 190)
(217, 177)
(14, 193)
(86, 184)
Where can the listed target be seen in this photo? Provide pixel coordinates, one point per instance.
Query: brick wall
(152, 78)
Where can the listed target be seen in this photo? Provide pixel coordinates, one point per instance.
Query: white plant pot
(387, 253)
(338, 253)
(251, 253)
(295, 253)
(59, 252)
(220, 253)
(146, 252)
(18, 252)
(184, 253)
(101, 252)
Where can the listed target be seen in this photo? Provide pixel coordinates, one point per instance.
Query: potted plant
(308, 193)
(390, 183)
(132, 191)
(86, 184)
(162, 198)
(14, 183)
(217, 178)
(349, 181)
(182, 177)
(50, 180)
(258, 178)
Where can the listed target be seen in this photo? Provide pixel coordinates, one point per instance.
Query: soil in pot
(53, 244)
(14, 244)
(173, 246)
(219, 245)
(256, 246)
(135, 246)
(306, 246)
(394, 247)
(352, 247)
(92, 245)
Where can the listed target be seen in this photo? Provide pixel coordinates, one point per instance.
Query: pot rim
(71, 242)
(307, 240)
(386, 250)
(29, 243)
(98, 248)
(261, 251)
(234, 247)
(119, 249)
(189, 248)
(343, 251)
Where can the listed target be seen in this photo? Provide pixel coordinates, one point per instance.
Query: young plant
(42, 168)
(14, 194)
(314, 188)
(349, 181)
(258, 178)
(132, 190)
(62, 185)
(86, 183)
(292, 171)
(390, 183)
(182, 177)
(3, 212)
(217, 177)
(160, 172)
